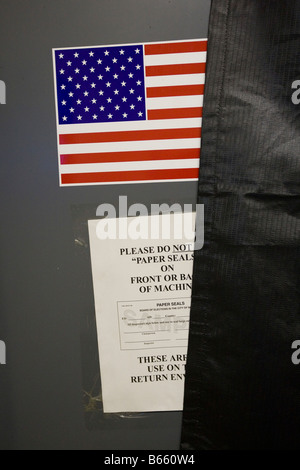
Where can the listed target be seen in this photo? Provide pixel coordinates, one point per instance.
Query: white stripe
(129, 126)
(130, 166)
(179, 58)
(174, 80)
(193, 101)
(130, 182)
(130, 146)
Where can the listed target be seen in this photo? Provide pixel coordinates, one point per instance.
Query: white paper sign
(142, 295)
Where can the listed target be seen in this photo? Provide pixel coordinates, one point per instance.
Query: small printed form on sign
(147, 324)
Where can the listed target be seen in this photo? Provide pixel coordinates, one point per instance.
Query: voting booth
(149, 303)
(101, 105)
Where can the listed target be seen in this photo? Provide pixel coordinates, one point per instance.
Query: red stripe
(126, 176)
(180, 90)
(175, 113)
(145, 155)
(173, 48)
(126, 136)
(174, 69)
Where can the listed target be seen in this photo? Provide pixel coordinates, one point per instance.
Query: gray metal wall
(42, 294)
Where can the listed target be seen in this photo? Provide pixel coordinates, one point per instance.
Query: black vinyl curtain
(242, 388)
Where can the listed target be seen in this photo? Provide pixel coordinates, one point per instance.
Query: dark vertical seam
(205, 344)
(205, 330)
(221, 104)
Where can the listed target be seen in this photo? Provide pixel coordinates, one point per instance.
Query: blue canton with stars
(100, 84)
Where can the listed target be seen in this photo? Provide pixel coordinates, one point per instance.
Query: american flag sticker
(129, 113)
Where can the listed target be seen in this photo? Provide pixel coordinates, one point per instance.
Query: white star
(91, 54)
(132, 106)
(125, 115)
(101, 93)
(86, 109)
(84, 62)
(93, 85)
(138, 67)
(123, 68)
(78, 101)
(130, 75)
(95, 116)
(92, 69)
(131, 91)
(117, 108)
(137, 51)
(70, 79)
(115, 60)
(116, 92)
(72, 110)
(116, 76)
(63, 87)
(65, 118)
(108, 84)
(110, 116)
(102, 108)
(130, 59)
(78, 86)
(61, 56)
(63, 102)
(124, 99)
(123, 83)
(139, 82)
(85, 78)
(61, 71)
(140, 114)
(109, 100)
(106, 53)
(94, 101)
(69, 63)
(77, 70)
(71, 94)
(76, 55)
(122, 52)
(86, 93)
(140, 98)
(79, 118)
(100, 77)
(99, 61)
(107, 69)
